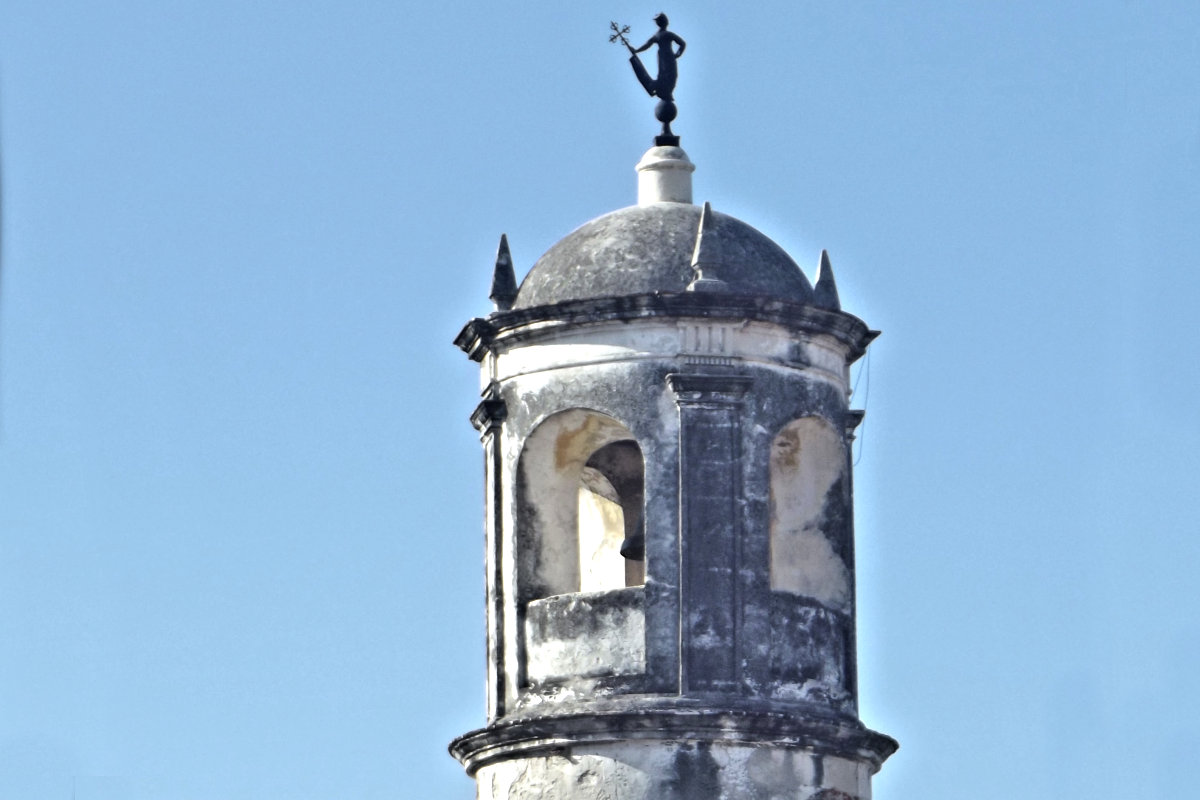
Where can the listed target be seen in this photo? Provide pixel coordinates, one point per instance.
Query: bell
(633, 546)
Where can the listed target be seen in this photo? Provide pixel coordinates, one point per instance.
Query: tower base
(668, 755)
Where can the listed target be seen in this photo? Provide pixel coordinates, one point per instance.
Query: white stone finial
(665, 176)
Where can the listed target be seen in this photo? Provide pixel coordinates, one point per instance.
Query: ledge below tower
(660, 753)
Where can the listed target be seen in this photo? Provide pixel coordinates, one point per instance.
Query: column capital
(491, 412)
(854, 418)
(701, 388)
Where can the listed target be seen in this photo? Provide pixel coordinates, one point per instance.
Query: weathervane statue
(663, 85)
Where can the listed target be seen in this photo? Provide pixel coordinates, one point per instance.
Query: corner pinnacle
(504, 280)
(706, 258)
(825, 293)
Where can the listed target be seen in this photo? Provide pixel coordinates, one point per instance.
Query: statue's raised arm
(662, 85)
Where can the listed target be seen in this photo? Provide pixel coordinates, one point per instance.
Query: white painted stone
(590, 637)
(821, 357)
(807, 459)
(647, 770)
(601, 531)
(665, 176)
(843, 775)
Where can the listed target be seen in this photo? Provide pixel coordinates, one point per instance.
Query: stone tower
(669, 521)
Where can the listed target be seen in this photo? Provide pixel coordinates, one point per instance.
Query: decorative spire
(825, 293)
(504, 281)
(706, 258)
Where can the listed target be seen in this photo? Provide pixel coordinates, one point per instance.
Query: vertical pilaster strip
(710, 486)
(488, 418)
(853, 419)
(662, 564)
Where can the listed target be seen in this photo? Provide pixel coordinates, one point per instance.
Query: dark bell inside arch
(621, 463)
(633, 547)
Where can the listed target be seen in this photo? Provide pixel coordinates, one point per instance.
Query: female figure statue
(663, 86)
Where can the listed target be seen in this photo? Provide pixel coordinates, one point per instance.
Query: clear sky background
(240, 500)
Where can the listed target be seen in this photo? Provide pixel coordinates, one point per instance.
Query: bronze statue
(662, 85)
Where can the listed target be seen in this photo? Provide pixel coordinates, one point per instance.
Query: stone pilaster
(488, 418)
(710, 411)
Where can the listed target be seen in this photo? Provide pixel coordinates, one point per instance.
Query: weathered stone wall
(722, 665)
(753, 416)
(586, 635)
(676, 771)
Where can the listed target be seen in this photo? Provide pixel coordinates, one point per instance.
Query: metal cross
(619, 33)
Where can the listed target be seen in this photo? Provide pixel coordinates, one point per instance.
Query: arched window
(809, 513)
(581, 495)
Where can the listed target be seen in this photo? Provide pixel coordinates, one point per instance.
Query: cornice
(527, 737)
(515, 327)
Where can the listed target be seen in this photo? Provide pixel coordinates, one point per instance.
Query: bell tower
(669, 516)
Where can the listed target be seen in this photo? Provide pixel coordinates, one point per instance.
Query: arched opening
(581, 496)
(579, 544)
(809, 513)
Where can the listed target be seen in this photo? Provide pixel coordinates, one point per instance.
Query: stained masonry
(670, 543)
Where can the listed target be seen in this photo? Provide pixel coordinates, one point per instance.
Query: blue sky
(240, 501)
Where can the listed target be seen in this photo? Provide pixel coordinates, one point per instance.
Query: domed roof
(649, 249)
